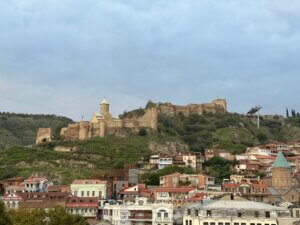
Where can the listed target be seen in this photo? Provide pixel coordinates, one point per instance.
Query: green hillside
(21, 129)
(93, 157)
(96, 156)
(231, 131)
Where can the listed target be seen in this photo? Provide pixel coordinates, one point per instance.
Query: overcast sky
(64, 56)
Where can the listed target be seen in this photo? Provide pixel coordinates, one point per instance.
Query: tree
(287, 113)
(25, 217)
(58, 216)
(4, 217)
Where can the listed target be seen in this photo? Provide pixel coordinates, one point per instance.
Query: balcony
(143, 218)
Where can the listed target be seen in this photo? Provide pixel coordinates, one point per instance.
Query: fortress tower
(104, 107)
(281, 172)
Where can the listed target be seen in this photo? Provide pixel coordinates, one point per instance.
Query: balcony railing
(146, 217)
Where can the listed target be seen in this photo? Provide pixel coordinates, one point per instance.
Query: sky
(63, 56)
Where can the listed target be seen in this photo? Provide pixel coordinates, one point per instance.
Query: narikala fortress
(103, 123)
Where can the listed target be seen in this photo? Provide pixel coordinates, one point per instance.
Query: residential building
(164, 161)
(141, 212)
(90, 188)
(174, 195)
(233, 212)
(83, 206)
(196, 180)
(193, 160)
(14, 181)
(60, 188)
(36, 183)
(12, 200)
(256, 191)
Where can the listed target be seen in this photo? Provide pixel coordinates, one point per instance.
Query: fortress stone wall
(103, 123)
(216, 106)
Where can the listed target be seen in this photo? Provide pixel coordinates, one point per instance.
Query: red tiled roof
(174, 189)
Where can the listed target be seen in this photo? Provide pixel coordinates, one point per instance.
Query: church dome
(104, 102)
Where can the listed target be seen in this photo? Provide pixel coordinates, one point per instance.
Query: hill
(230, 131)
(92, 158)
(21, 129)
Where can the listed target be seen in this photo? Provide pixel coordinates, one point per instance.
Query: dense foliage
(231, 131)
(219, 168)
(56, 216)
(21, 129)
(93, 157)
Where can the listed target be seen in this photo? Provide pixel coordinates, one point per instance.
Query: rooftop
(280, 161)
(236, 205)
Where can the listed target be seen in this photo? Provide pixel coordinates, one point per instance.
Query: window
(297, 213)
(196, 212)
(236, 224)
(220, 223)
(256, 214)
(100, 194)
(159, 215)
(258, 224)
(166, 215)
(191, 223)
(208, 213)
(205, 223)
(212, 223)
(252, 223)
(186, 222)
(88, 194)
(243, 223)
(189, 212)
(82, 193)
(93, 193)
(267, 214)
(227, 223)
(239, 214)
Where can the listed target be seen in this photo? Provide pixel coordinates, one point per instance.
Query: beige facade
(282, 177)
(216, 106)
(103, 123)
(44, 135)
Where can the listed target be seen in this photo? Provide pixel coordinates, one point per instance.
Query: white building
(164, 162)
(89, 188)
(139, 213)
(234, 213)
(36, 183)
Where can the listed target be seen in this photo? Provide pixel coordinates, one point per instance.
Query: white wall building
(234, 213)
(139, 213)
(164, 161)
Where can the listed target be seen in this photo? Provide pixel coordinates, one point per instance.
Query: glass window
(208, 213)
(227, 223)
(191, 223)
(205, 223)
(267, 214)
(93, 193)
(212, 223)
(189, 212)
(236, 224)
(239, 214)
(158, 215)
(220, 223)
(88, 194)
(166, 215)
(243, 223)
(256, 214)
(186, 222)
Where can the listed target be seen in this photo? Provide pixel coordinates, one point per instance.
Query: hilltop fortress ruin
(103, 123)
